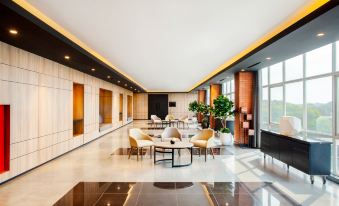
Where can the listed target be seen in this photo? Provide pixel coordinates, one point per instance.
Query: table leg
(172, 157)
(191, 155)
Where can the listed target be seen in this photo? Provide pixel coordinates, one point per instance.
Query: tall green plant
(193, 106)
(223, 108)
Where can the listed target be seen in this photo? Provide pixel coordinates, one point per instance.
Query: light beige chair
(169, 133)
(204, 140)
(138, 140)
(156, 120)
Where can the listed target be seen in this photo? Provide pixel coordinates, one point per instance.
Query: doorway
(158, 105)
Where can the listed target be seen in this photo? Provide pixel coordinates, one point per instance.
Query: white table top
(177, 145)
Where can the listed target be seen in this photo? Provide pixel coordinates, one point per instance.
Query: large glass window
(264, 106)
(277, 105)
(207, 100)
(294, 100)
(319, 105)
(319, 61)
(294, 68)
(276, 73)
(305, 92)
(228, 88)
(264, 76)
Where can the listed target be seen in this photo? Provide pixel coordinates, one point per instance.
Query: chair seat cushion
(144, 143)
(199, 143)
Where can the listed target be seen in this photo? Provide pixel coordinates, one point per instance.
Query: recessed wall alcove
(129, 107)
(78, 109)
(105, 109)
(121, 107)
(4, 137)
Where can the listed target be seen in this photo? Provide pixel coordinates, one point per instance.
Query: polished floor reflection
(175, 193)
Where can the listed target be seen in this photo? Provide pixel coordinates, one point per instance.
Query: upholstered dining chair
(204, 140)
(155, 120)
(169, 133)
(138, 140)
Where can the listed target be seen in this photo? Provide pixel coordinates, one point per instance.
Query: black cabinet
(308, 155)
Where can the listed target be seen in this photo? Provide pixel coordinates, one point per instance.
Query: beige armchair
(138, 140)
(156, 120)
(169, 133)
(204, 140)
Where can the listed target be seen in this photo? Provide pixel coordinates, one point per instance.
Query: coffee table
(161, 147)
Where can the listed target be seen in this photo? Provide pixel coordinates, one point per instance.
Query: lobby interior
(169, 102)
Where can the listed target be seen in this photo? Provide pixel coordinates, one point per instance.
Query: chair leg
(138, 154)
(129, 154)
(150, 152)
(212, 152)
(205, 154)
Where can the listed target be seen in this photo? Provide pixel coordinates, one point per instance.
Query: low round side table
(172, 147)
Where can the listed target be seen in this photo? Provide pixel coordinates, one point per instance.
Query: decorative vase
(226, 138)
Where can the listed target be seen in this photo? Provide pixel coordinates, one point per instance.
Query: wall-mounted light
(320, 34)
(13, 31)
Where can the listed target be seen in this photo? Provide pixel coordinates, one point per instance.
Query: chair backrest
(169, 117)
(136, 133)
(205, 134)
(171, 132)
(155, 117)
(184, 117)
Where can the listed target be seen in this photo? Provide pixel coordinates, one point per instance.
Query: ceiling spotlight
(13, 31)
(93, 69)
(135, 89)
(125, 85)
(67, 57)
(131, 87)
(118, 81)
(242, 70)
(108, 76)
(268, 58)
(320, 34)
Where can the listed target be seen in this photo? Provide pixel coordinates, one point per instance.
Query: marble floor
(93, 162)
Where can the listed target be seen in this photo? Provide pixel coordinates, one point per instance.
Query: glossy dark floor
(174, 194)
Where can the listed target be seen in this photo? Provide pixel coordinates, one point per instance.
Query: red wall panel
(4, 137)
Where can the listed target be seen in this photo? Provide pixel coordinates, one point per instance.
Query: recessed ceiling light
(268, 58)
(118, 81)
(242, 70)
(13, 31)
(93, 69)
(320, 34)
(131, 87)
(108, 77)
(135, 89)
(67, 57)
(125, 85)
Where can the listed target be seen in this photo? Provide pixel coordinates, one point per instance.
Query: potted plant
(223, 108)
(193, 106)
(205, 110)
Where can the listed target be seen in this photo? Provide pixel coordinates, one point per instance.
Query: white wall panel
(39, 92)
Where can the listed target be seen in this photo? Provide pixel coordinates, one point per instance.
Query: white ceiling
(168, 45)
